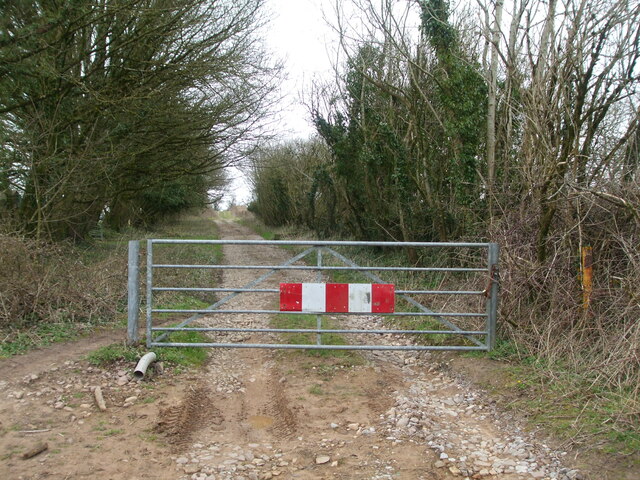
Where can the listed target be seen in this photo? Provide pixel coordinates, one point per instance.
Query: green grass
(179, 356)
(181, 301)
(113, 353)
(316, 390)
(575, 411)
(300, 321)
(567, 403)
(185, 356)
(40, 335)
(148, 437)
(259, 227)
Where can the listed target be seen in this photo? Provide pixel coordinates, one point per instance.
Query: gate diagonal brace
(229, 297)
(413, 302)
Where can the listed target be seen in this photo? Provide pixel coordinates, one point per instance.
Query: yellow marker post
(587, 276)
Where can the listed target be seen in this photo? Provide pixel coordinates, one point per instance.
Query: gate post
(133, 303)
(149, 288)
(492, 295)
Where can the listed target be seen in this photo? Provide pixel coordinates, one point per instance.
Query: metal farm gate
(412, 301)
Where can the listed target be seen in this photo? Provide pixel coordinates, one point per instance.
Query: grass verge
(71, 290)
(182, 356)
(568, 403)
(260, 228)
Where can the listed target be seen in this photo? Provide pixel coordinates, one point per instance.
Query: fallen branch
(39, 448)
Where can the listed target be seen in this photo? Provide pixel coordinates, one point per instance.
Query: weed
(111, 354)
(148, 437)
(100, 427)
(316, 390)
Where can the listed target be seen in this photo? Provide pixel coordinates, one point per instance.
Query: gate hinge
(494, 277)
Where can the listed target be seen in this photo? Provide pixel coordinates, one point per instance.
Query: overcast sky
(299, 36)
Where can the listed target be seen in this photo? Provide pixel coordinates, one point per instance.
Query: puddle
(260, 421)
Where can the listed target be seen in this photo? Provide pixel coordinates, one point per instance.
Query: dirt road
(256, 414)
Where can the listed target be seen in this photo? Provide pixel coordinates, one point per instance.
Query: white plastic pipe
(146, 360)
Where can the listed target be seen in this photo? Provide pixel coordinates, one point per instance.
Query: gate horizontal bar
(317, 347)
(204, 289)
(278, 312)
(298, 267)
(439, 292)
(313, 330)
(275, 290)
(322, 243)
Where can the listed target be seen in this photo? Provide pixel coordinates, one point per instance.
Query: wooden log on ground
(36, 450)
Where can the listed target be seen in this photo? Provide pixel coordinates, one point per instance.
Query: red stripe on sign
(382, 298)
(290, 297)
(337, 297)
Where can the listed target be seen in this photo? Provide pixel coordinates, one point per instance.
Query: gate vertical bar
(149, 288)
(492, 294)
(133, 300)
(319, 278)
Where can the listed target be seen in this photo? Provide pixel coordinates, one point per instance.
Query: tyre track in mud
(402, 417)
(273, 425)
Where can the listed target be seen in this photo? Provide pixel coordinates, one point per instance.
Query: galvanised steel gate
(474, 263)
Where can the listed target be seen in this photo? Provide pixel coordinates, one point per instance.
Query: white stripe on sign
(314, 297)
(360, 297)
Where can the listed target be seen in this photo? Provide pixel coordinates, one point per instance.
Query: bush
(52, 284)
(541, 304)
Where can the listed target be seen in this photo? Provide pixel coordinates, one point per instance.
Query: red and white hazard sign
(337, 297)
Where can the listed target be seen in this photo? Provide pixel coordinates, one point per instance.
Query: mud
(258, 414)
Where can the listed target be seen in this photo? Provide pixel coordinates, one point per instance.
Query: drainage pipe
(141, 368)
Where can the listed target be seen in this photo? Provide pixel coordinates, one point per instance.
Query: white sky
(299, 36)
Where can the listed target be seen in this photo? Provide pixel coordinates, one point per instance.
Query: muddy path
(260, 414)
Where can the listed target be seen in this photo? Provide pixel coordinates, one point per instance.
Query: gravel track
(264, 414)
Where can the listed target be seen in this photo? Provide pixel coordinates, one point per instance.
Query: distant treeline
(120, 112)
